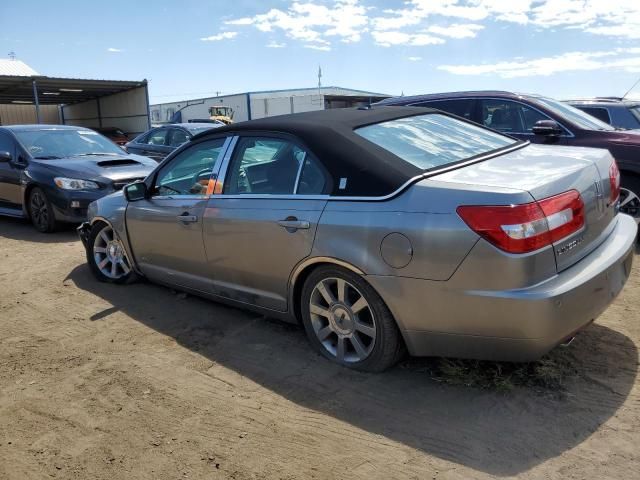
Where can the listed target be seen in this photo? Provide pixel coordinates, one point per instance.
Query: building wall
(125, 110)
(263, 104)
(26, 114)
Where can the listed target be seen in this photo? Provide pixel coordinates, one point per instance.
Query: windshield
(574, 115)
(433, 140)
(49, 144)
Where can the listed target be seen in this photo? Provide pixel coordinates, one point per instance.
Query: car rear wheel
(630, 197)
(347, 321)
(41, 212)
(107, 256)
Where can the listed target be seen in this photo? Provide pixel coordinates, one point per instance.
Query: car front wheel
(347, 321)
(41, 212)
(107, 256)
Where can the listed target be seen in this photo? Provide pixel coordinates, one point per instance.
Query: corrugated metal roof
(16, 68)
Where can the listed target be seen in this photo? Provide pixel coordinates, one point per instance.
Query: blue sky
(193, 48)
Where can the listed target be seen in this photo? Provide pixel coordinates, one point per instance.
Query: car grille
(119, 184)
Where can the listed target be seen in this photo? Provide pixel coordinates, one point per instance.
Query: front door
(10, 188)
(264, 222)
(165, 230)
(515, 119)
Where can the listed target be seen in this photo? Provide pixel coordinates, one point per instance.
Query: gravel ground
(126, 382)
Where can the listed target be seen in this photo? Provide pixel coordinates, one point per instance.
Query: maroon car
(544, 120)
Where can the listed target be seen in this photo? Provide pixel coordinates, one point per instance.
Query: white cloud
(414, 59)
(627, 59)
(273, 44)
(220, 36)
(114, 50)
(311, 23)
(467, 30)
(322, 48)
(432, 22)
(387, 39)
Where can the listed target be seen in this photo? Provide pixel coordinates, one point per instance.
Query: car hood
(103, 167)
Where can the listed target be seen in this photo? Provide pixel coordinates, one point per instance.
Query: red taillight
(528, 227)
(614, 182)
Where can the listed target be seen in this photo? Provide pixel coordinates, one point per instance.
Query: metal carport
(90, 103)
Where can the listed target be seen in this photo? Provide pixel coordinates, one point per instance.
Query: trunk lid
(545, 171)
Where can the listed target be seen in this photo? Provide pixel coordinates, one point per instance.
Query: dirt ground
(138, 382)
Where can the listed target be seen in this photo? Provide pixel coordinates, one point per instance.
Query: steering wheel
(197, 187)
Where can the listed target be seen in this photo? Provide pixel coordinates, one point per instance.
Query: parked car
(159, 142)
(615, 111)
(379, 229)
(50, 174)
(114, 134)
(544, 120)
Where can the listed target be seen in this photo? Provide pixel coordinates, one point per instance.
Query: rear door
(10, 188)
(165, 230)
(264, 222)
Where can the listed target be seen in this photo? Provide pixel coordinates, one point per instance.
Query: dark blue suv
(615, 111)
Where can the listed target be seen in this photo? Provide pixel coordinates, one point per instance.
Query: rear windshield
(433, 140)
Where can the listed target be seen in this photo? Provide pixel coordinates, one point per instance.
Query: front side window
(158, 137)
(273, 166)
(510, 117)
(190, 171)
(433, 140)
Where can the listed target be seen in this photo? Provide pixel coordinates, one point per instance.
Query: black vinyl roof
(369, 170)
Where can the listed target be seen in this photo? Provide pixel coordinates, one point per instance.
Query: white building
(252, 105)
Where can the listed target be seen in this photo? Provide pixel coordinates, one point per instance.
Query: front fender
(112, 210)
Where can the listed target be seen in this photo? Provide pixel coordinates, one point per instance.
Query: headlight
(75, 184)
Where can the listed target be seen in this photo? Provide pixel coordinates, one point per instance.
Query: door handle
(186, 218)
(292, 223)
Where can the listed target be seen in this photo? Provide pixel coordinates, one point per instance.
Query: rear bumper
(512, 325)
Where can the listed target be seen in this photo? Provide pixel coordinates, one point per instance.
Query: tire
(357, 319)
(104, 250)
(41, 212)
(630, 200)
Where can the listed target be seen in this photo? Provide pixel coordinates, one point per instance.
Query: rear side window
(433, 140)
(601, 114)
(158, 137)
(462, 107)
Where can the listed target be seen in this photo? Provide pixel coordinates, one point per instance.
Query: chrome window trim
(396, 192)
(214, 170)
(295, 185)
(570, 133)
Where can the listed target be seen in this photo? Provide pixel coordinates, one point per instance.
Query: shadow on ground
(500, 434)
(21, 229)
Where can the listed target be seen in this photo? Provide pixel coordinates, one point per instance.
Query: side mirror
(547, 128)
(136, 191)
(5, 156)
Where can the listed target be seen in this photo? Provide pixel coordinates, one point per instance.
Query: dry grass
(548, 375)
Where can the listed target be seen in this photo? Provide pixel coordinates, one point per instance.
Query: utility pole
(12, 55)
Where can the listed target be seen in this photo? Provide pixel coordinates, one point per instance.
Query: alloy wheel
(39, 210)
(630, 203)
(342, 320)
(109, 254)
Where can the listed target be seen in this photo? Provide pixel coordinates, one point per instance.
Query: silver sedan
(381, 230)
